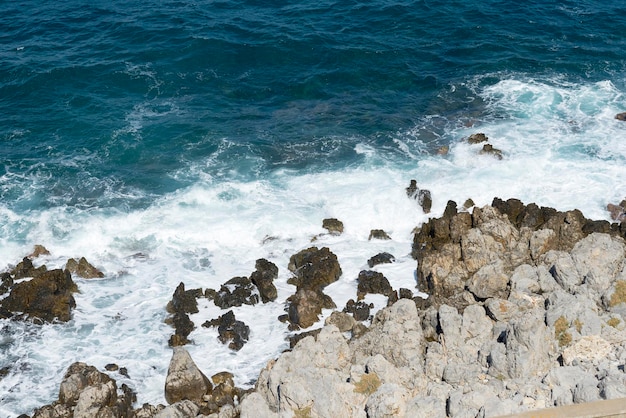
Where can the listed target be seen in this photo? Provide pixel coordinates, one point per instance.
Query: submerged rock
(83, 269)
(333, 226)
(231, 331)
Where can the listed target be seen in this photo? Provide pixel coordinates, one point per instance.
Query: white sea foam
(561, 147)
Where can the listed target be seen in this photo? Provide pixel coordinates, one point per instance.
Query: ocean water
(179, 141)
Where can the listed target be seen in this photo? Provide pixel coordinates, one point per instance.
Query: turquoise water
(190, 132)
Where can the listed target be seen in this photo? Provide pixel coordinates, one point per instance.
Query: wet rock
(236, 292)
(6, 281)
(47, 297)
(378, 234)
(372, 282)
(230, 330)
(490, 150)
(38, 250)
(621, 116)
(25, 269)
(359, 310)
(183, 301)
(184, 380)
(183, 326)
(381, 258)
(83, 268)
(477, 138)
(422, 196)
(333, 226)
(263, 278)
(617, 212)
(314, 268)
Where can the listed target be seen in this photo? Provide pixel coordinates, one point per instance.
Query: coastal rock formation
(333, 226)
(46, 297)
(423, 196)
(263, 278)
(183, 303)
(184, 380)
(236, 292)
(83, 268)
(230, 330)
(381, 258)
(85, 393)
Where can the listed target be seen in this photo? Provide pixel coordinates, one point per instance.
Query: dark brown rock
(231, 331)
(314, 268)
(333, 226)
(621, 116)
(25, 268)
(378, 234)
(183, 326)
(359, 310)
(422, 196)
(305, 307)
(47, 297)
(381, 258)
(83, 269)
(39, 250)
(236, 292)
(490, 150)
(263, 278)
(183, 301)
(295, 339)
(372, 282)
(477, 138)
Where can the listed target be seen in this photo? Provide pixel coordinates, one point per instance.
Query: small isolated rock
(83, 269)
(184, 380)
(477, 138)
(490, 150)
(378, 234)
(422, 196)
(230, 330)
(372, 282)
(314, 268)
(333, 226)
(39, 250)
(621, 116)
(381, 258)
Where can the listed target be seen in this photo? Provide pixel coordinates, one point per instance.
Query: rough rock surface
(47, 297)
(230, 330)
(263, 277)
(83, 268)
(184, 380)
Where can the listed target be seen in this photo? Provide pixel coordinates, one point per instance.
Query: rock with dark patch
(621, 116)
(333, 226)
(314, 268)
(223, 397)
(236, 292)
(296, 338)
(617, 212)
(381, 258)
(263, 278)
(183, 301)
(83, 268)
(477, 138)
(490, 150)
(412, 190)
(6, 281)
(25, 268)
(47, 297)
(38, 250)
(372, 282)
(423, 196)
(378, 234)
(359, 310)
(231, 331)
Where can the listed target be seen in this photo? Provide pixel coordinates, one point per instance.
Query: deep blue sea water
(189, 131)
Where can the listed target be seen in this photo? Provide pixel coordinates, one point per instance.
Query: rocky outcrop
(85, 393)
(236, 292)
(333, 226)
(184, 380)
(423, 196)
(183, 302)
(46, 297)
(263, 278)
(83, 268)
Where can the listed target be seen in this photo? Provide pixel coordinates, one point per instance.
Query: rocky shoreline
(526, 310)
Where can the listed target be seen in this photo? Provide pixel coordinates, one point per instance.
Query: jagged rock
(223, 398)
(333, 226)
(378, 234)
(490, 150)
(183, 326)
(47, 297)
(83, 268)
(314, 268)
(230, 330)
(372, 282)
(184, 380)
(263, 278)
(183, 301)
(6, 281)
(423, 196)
(236, 292)
(25, 268)
(38, 250)
(477, 138)
(359, 310)
(381, 258)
